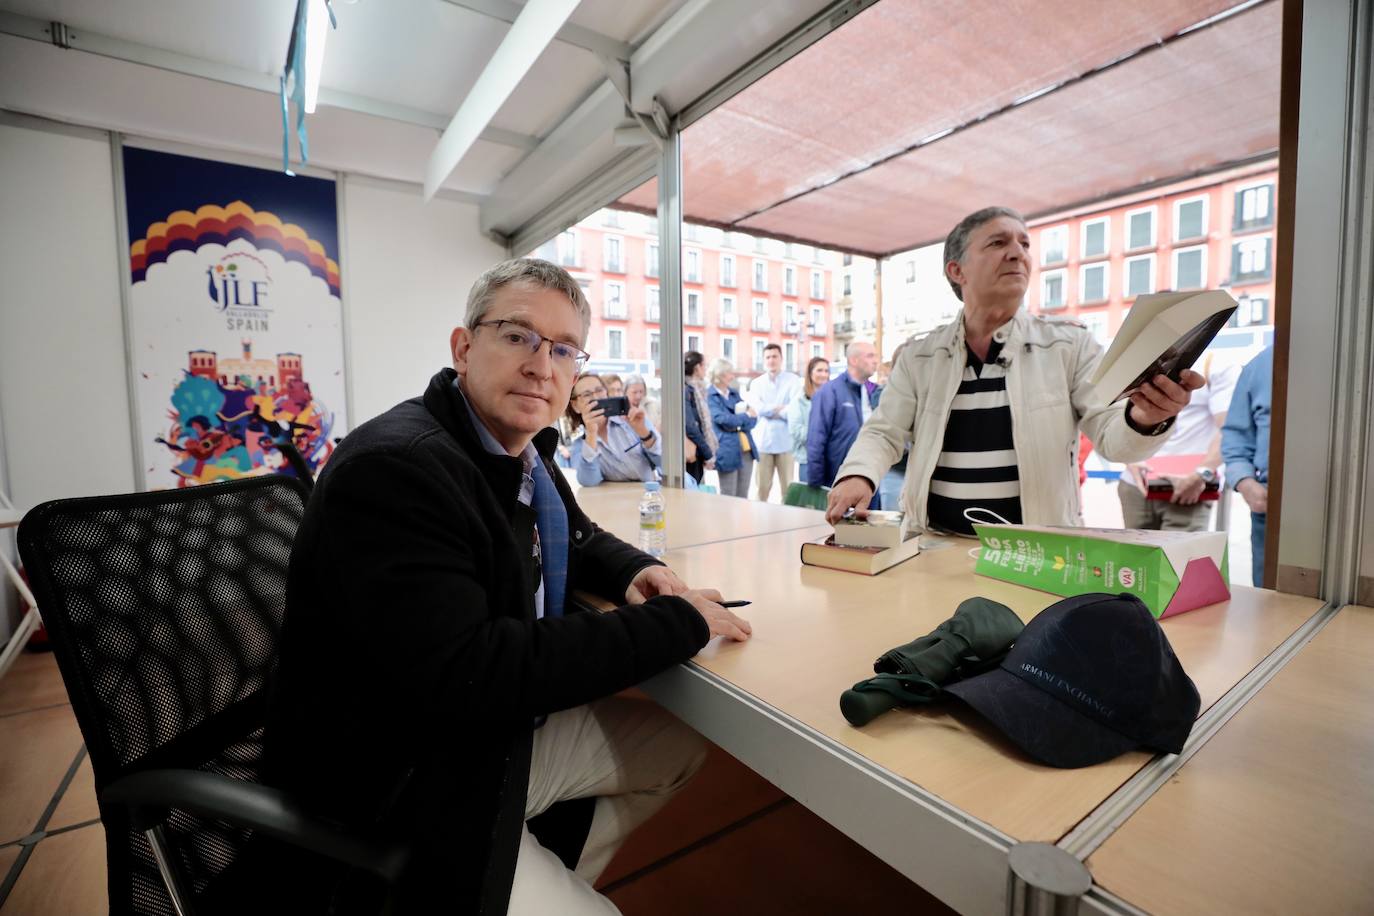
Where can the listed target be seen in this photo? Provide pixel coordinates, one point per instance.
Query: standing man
(996, 398)
(431, 686)
(769, 395)
(838, 410)
(1245, 446)
(1197, 432)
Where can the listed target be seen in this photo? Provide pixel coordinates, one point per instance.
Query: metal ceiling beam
(575, 35)
(65, 36)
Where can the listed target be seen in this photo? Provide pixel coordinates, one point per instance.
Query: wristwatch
(1208, 475)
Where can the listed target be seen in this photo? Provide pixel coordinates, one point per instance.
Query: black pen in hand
(735, 603)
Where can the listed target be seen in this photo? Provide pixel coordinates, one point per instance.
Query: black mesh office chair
(165, 610)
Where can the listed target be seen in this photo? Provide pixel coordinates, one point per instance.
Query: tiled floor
(730, 843)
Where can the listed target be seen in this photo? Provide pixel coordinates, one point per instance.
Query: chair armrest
(149, 793)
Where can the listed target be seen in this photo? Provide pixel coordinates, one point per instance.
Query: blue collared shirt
(766, 394)
(528, 458)
(622, 456)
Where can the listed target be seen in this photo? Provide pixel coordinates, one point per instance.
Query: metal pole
(670, 303)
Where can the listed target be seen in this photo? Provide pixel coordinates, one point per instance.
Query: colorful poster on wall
(236, 321)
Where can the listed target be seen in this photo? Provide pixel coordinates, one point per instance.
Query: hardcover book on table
(868, 561)
(1163, 334)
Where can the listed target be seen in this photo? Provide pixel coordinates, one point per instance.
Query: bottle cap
(651, 486)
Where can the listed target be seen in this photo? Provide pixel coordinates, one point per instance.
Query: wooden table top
(817, 632)
(1275, 814)
(694, 517)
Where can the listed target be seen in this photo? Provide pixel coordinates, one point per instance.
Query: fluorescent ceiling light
(537, 24)
(316, 31)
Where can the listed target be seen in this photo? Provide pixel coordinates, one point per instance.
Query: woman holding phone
(618, 441)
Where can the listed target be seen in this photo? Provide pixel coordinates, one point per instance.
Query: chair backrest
(164, 611)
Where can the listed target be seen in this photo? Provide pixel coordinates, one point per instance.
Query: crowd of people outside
(944, 405)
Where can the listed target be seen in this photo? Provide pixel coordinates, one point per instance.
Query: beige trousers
(628, 753)
(768, 463)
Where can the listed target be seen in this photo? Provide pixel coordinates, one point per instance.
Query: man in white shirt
(769, 395)
(1196, 433)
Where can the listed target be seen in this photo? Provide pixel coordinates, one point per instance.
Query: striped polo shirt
(977, 466)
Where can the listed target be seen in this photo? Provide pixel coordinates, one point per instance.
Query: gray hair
(956, 243)
(636, 379)
(849, 347)
(719, 367)
(530, 272)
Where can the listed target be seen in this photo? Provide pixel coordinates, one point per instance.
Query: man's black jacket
(412, 665)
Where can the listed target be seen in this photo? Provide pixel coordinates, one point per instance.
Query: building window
(694, 342)
(691, 267)
(727, 349)
(1250, 260)
(1094, 240)
(1140, 229)
(911, 271)
(817, 321)
(847, 259)
(615, 343)
(789, 318)
(818, 255)
(759, 245)
(817, 285)
(1190, 219)
(789, 280)
(1190, 268)
(848, 285)
(1254, 207)
(1096, 323)
(651, 259)
(729, 318)
(1052, 289)
(1092, 283)
(654, 354)
(1140, 276)
(1250, 310)
(760, 314)
(759, 344)
(693, 232)
(651, 304)
(727, 270)
(610, 218)
(1054, 248)
(567, 248)
(760, 276)
(693, 316)
(614, 300)
(817, 350)
(611, 246)
(789, 355)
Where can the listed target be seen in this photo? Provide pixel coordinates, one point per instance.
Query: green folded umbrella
(974, 640)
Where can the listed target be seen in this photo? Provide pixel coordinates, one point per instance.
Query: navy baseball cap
(1089, 678)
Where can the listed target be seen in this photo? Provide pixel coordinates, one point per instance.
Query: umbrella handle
(863, 706)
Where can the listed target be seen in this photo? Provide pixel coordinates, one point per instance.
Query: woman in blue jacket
(732, 419)
(701, 442)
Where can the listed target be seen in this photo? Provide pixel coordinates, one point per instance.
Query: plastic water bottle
(653, 529)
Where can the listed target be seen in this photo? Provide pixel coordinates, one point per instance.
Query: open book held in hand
(866, 560)
(1163, 334)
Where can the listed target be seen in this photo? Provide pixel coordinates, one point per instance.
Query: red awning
(881, 136)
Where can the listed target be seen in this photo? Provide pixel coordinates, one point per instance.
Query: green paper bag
(1171, 571)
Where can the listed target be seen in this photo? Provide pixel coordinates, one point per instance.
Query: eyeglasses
(598, 392)
(519, 338)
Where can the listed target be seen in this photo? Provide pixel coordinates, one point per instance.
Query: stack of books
(866, 546)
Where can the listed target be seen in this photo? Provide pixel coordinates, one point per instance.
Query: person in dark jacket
(838, 411)
(701, 443)
(431, 685)
(733, 420)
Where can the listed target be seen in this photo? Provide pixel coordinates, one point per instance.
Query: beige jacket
(1048, 366)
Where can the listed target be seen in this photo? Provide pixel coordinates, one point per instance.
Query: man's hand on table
(660, 580)
(849, 493)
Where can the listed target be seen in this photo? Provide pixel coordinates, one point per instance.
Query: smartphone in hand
(614, 407)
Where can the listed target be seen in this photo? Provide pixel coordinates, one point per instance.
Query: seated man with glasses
(610, 448)
(431, 685)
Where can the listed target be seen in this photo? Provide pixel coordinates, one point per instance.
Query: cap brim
(1039, 724)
